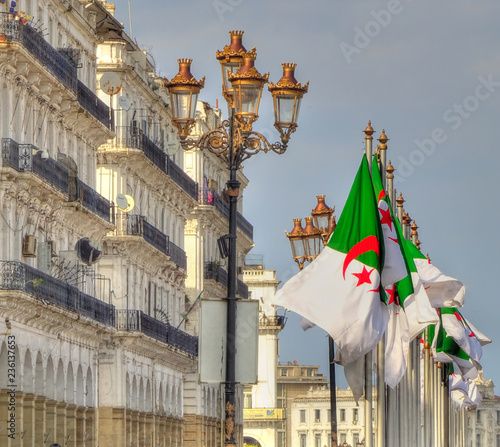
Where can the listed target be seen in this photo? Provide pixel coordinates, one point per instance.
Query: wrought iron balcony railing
(177, 255)
(208, 196)
(276, 320)
(182, 179)
(28, 158)
(136, 225)
(92, 104)
(134, 137)
(18, 276)
(93, 201)
(137, 320)
(12, 30)
(218, 274)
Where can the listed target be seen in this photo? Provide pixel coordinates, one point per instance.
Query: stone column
(70, 440)
(89, 436)
(60, 434)
(27, 430)
(80, 425)
(40, 420)
(50, 421)
(134, 434)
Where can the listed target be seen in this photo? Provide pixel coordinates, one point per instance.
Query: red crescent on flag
(369, 243)
(381, 195)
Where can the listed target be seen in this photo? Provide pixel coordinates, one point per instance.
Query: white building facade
(96, 347)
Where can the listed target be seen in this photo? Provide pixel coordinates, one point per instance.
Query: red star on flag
(363, 277)
(386, 217)
(392, 295)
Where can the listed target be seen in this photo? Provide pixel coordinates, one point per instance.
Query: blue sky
(426, 72)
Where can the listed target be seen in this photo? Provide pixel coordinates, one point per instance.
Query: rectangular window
(303, 416)
(478, 415)
(248, 400)
(498, 440)
(303, 440)
(317, 440)
(355, 439)
(284, 372)
(317, 415)
(498, 417)
(280, 439)
(329, 415)
(478, 440)
(355, 415)
(342, 415)
(343, 438)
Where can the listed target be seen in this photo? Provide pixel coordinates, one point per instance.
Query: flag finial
(400, 199)
(390, 169)
(383, 140)
(414, 228)
(369, 131)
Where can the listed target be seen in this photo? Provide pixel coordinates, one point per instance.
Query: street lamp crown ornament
(322, 215)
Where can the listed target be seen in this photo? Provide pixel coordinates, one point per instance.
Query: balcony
(209, 197)
(217, 273)
(93, 201)
(28, 158)
(51, 291)
(276, 320)
(136, 225)
(12, 30)
(136, 320)
(134, 137)
(92, 104)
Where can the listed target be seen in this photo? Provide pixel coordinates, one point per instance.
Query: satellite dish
(88, 251)
(172, 147)
(110, 83)
(124, 103)
(124, 202)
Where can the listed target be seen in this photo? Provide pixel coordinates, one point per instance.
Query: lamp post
(234, 141)
(306, 246)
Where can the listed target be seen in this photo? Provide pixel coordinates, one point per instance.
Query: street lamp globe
(296, 238)
(287, 96)
(322, 216)
(312, 240)
(247, 84)
(184, 89)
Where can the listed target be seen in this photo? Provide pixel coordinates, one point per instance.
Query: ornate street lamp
(234, 141)
(312, 240)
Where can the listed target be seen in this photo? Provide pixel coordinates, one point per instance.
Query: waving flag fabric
(340, 290)
(442, 290)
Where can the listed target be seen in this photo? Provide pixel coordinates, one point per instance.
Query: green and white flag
(442, 290)
(340, 290)
(412, 296)
(457, 327)
(446, 350)
(397, 333)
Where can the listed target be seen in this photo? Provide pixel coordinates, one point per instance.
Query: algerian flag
(412, 296)
(397, 334)
(340, 290)
(446, 350)
(442, 290)
(456, 327)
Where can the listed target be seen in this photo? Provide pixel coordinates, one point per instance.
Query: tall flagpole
(381, 394)
(368, 358)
